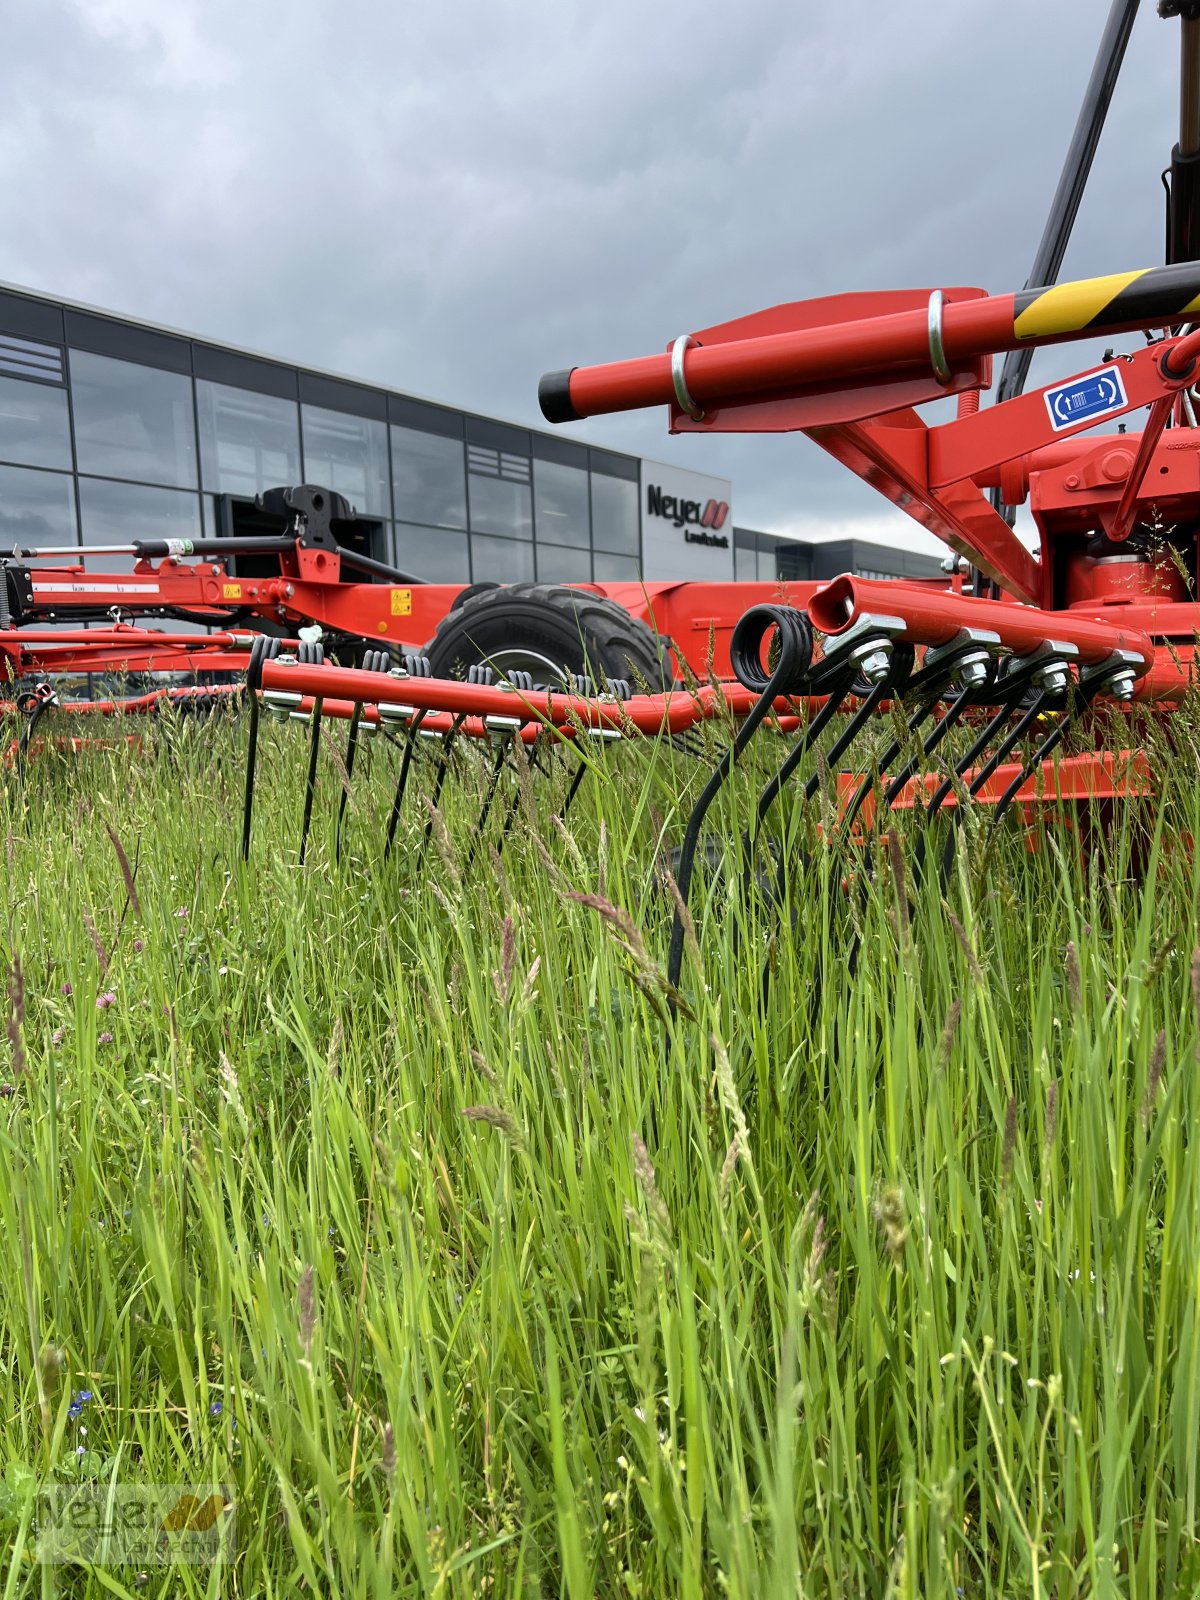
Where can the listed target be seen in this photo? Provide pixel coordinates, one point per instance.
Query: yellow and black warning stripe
(1152, 298)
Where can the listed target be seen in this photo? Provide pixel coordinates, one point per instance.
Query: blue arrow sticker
(1096, 394)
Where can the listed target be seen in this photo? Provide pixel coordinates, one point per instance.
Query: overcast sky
(452, 198)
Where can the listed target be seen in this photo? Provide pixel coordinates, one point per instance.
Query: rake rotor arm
(850, 370)
(789, 348)
(932, 617)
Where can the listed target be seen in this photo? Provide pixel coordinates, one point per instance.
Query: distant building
(113, 429)
(766, 556)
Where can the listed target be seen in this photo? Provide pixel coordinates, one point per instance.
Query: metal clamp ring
(937, 348)
(682, 397)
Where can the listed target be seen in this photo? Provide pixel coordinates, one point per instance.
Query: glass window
(34, 428)
(26, 359)
(248, 442)
(501, 506)
(36, 507)
(132, 421)
(348, 455)
(430, 478)
(370, 537)
(615, 514)
(745, 562)
(500, 560)
(766, 566)
(432, 553)
(615, 569)
(556, 564)
(560, 504)
(115, 513)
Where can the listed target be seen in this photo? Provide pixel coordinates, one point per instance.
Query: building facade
(112, 430)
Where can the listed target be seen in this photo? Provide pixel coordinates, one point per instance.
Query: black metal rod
(310, 781)
(439, 779)
(355, 558)
(402, 780)
(351, 747)
(576, 780)
(1048, 259)
(493, 785)
(251, 766)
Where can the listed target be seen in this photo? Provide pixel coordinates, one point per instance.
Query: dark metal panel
(614, 466)
(31, 319)
(105, 337)
(497, 435)
(563, 451)
(245, 372)
(336, 395)
(424, 417)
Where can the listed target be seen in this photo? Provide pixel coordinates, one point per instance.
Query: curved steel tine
(351, 747)
(410, 740)
(310, 780)
(439, 780)
(498, 766)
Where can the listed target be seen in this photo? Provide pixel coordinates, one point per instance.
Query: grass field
(394, 1199)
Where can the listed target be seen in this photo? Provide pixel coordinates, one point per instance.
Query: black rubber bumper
(554, 397)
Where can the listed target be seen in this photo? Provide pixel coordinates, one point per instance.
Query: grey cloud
(452, 199)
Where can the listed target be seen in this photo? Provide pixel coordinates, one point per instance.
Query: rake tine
(836, 751)
(405, 764)
(1081, 699)
(919, 716)
(351, 747)
(794, 657)
(535, 765)
(440, 776)
(493, 784)
(310, 782)
(44, 698)
(253, 681)
(576, 780)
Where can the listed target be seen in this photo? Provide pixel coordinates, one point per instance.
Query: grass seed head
(16, 1016)
(949, 1029)
(1008, 1150)
(888, 1211)
(1074, 977)
(643, 1167)
(1158, 1058)
(127, 872)
(97, 941)
(960, 933)
(500, 1118)
(1051, 1112)
(502, 979)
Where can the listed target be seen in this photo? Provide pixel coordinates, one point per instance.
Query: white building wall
(676, 505)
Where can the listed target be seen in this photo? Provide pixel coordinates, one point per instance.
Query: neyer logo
(690, 515)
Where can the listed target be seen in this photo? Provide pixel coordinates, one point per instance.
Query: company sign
(701, 521)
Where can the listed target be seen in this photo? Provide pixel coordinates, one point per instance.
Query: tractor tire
(463, 595)
(554, 633)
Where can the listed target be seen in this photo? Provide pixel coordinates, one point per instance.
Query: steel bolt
(875, 664)
(1120, 686)
(971, 671)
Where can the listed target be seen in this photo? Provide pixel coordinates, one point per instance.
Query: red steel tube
(893, 343)
(777, 361)
(649, 713)
(931, 617)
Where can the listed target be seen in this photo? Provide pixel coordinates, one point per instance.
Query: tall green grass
(407, 1203)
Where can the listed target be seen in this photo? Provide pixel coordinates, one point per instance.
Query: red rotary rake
(1101, 615)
